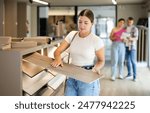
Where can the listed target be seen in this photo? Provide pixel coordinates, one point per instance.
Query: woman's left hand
(96, 70)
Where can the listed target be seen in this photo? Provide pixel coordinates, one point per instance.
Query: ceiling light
(39, 1)
(114, 2)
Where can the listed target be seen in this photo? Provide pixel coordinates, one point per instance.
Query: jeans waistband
(88, 67)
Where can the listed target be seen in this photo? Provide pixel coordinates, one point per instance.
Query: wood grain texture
(23, 44)
(31, 69)
(32, 85)
(68, 69)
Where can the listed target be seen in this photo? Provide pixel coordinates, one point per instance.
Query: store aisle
(126, 87)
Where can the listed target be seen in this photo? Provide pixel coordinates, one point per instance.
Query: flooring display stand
(13, 82)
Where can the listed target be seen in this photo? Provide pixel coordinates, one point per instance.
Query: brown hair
(88, 13)
(130, 18)
(121, 19)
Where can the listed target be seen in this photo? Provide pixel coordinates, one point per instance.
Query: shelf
(31, 69)
(56, 81)
(24, 51)
(47, 91)
(32, 85)
(12, 80)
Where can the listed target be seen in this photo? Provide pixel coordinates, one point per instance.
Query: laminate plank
(31, 69)
(69, 70)
(32, 85)
(56, 81)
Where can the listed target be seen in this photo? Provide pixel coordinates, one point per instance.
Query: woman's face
(84, 24)
(121, 23)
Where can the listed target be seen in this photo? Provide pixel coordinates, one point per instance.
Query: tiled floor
(126, 87)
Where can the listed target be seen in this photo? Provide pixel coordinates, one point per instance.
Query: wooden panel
(11, 18)
(21, 17)
(5, 47)
(31, 69)
(23, 44)
(39, 39)
(68, 69)
(32, 85)
(5, 40)
(57, 81)
(38, 59)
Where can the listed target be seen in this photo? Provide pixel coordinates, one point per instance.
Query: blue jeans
(131, 61)
(117, 57)
(78, 88)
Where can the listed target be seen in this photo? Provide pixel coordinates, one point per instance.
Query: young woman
(85, 49)
(118, 49)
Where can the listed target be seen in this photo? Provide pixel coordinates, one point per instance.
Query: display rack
(11, 75)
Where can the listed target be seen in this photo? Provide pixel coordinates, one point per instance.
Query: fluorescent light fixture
(114, 2)
(41, 2)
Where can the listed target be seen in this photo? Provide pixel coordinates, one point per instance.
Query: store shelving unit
(11, 75)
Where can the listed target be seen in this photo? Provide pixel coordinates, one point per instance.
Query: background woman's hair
(121, 19)
(88, 13)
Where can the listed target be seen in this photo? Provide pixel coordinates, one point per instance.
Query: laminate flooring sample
(30, 68)
(32, 85)
(69, 70)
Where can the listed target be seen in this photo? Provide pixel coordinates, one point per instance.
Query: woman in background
(118, 49)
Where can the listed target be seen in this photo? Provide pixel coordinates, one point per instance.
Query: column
(10, 18)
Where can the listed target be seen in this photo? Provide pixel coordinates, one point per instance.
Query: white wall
(135, 11)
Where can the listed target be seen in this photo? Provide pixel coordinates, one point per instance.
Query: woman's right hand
(57, 63)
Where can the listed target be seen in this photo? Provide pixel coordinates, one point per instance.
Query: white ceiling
(89, 2)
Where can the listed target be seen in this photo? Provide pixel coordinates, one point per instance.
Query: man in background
(131, 48)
